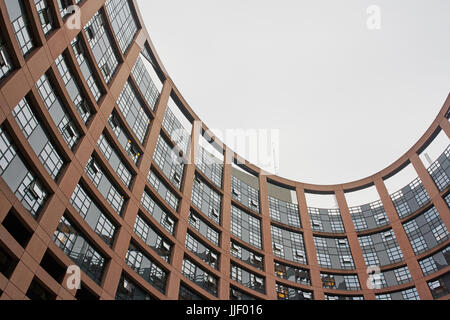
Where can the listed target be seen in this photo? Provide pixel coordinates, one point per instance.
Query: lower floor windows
(75, 246)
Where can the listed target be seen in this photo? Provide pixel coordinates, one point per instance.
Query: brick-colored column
(316, 280)
(403, 241)
(352, 237)
(269, 266)
(226, 225)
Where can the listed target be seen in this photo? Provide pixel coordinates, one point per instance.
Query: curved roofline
(439, 123)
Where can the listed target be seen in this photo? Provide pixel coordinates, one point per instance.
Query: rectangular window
(77, 248)
(86, 68)
(334, 253)
(104, 185)
(165, 220)
(57, 111)
(129, 291)
(247, 279)
(201, 226)
(426, 231)
(124, 138)
(206, 199)
(163, 190)
(440, 170)
(21, 25)
(38, 138)
(101, 46)
(152, 238)
(380, 249)
(410, 198)
(73, 88)
(145, 82)
(199, 276)
(93, 215)
(245, 194)
(122, 22)
(167, 160)
(45, 15)
(5, 62)
(146, 268)
(22, 182)
(284, 212)
(202, 251)
(246, 227)
(114, 160)
(133, 112)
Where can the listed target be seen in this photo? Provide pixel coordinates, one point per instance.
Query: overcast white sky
(349, 101)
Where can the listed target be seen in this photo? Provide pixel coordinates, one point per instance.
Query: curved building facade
(92, 134)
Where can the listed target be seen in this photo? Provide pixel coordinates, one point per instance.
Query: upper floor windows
(163, 190)
(407, 294)
(205, 229)
(293, 274)
(245, 255)
(23, 183)
(101, 46)
(245, 188)
(45, 15)
(21, 25)
(246, 227)
(152, 238)
(210, 161)
(147, 80)
(112, 195)
(202, 251)
(73, 88)
(436, 157)
(128, 290)
(290, 293)
(282, 205)
(390, 278)
(440, 287)
(122, 22)
(247, 278)
(326, 220)
(57, 111)
(334, 253)
(369, 216)
(206, 199)
(426, 231)
(348, 282)
(133, 112)
(380, 249)
(435, 262)
(38, 138)
(168, 161)
(409, 198)
(164, 219)
(440, 170)
(6, 64)
(177, 125)
(114, 160)
(124, 138)
(86, 68)
(64, 6)
(288, 245)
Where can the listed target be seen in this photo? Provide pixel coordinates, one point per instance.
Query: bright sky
(348, 101)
